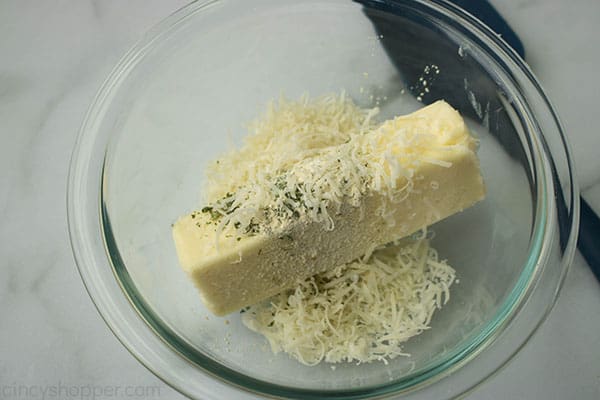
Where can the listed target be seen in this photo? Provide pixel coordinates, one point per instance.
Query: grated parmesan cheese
(359, 312)
(305, 159)
(288, 132)
(299, 161)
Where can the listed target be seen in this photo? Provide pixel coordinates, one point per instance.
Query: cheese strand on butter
(334, 203)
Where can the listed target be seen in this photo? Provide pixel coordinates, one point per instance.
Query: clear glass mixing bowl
(183, 94)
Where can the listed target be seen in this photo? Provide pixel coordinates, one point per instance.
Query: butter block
(440, 175)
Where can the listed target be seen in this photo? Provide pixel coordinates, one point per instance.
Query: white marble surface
(53, 57)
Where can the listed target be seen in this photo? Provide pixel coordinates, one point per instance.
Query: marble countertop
(54, 56)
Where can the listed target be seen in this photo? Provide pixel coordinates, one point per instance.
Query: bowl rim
(83, 252)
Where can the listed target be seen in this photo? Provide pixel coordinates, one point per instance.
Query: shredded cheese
(359, 312)
(304, 159)
(288, 132)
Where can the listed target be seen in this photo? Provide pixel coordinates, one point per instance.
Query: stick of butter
(428, 159)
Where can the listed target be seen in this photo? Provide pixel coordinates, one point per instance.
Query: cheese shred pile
(287, 133)
(359, 312)
(300, 162)
(304, 159)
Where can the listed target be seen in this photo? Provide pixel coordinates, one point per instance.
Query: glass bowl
(183, 94)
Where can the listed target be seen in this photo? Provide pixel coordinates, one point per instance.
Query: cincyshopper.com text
(65, 391)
